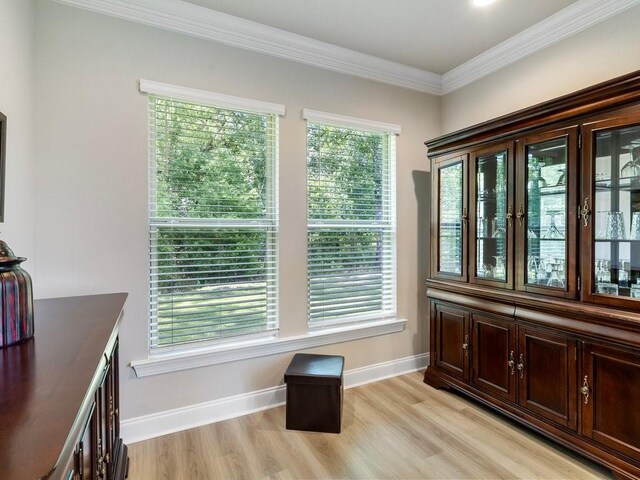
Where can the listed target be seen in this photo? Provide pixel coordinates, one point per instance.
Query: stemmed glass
(553, 232)
(499, 270)
(632, 168)
(499, 231)
(541, 274)
(532, 268)
(554, 277)
(537, 179)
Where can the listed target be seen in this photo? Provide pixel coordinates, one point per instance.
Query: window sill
(173, 362)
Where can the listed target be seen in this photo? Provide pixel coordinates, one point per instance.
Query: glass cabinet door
(450, 201)
(611, 213)
(491, 216)
(546, 214)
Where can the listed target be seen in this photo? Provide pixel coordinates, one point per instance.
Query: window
(213, 218)
(351, 227)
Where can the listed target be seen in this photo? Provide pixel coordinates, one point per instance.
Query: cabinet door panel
(546, 227)
(611, 413)
(493, 347)
(449, 220)
(451, 336)
(491, 216)
(548, 375)
(611, 202)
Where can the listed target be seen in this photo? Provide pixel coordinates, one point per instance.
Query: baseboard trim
(170, 421)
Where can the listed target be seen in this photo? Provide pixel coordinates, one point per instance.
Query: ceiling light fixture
(481, 3)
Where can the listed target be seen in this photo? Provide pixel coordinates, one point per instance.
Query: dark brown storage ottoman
(314, 392)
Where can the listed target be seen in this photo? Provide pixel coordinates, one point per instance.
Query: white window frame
(269, 223)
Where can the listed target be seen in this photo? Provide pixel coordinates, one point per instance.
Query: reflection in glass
(546, 213)
(450, 222)
(491, 210)
(616, 269)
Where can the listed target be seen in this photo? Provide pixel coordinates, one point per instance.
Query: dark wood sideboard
(534, 287)
(59, 395)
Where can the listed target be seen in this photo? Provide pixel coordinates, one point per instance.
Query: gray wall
(91, 183)
(16, 102)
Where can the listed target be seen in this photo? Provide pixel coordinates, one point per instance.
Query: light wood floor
(398, 428)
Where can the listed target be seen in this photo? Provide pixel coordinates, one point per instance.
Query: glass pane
(617, 212)
(491, 210)
(546, 213)
(450, 224)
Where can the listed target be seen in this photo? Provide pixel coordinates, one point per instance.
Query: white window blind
(213, 222)
(351, 231)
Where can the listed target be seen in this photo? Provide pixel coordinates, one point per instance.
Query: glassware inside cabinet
(450, 191)
(546, 200)
(491, 216)
(616, 266)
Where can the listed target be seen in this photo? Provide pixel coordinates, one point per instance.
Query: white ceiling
(432, 35)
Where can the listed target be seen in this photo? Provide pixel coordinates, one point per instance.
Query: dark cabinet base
(619, 467)
(545, 370)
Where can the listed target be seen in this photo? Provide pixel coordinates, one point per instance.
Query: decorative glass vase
(16, 299)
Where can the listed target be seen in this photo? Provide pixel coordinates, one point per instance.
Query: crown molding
(189, 19)
(563, 24)
(196, 21)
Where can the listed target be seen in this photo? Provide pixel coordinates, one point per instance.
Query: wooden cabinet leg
(434, 382)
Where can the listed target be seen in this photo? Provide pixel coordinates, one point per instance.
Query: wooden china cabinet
(535, 269)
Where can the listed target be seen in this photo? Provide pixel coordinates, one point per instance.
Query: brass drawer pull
(520, 214)
(585, 212)
(511, 363)
(585, 390)
(465, 345)
(521, 366)
(510, 215)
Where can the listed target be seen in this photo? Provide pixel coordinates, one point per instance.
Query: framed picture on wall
(3, 159)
